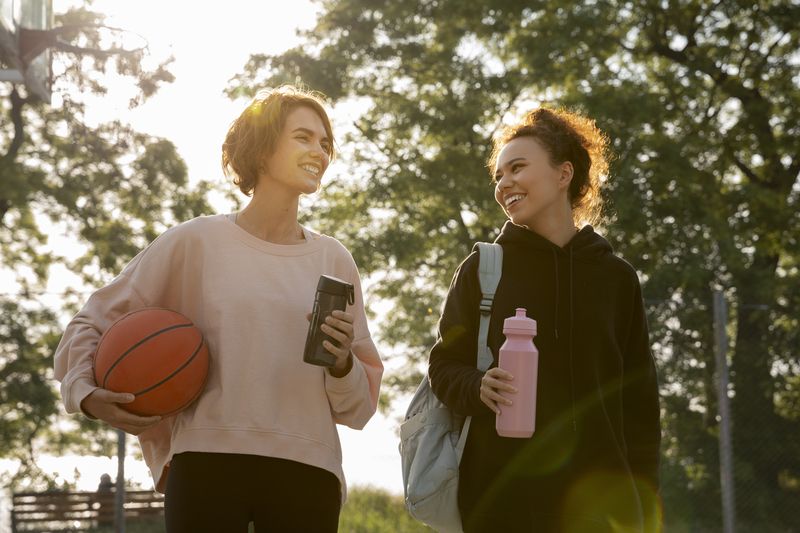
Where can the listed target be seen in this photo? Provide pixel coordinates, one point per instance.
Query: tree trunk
(756, 443)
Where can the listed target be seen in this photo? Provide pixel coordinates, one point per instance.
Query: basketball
(156, 354)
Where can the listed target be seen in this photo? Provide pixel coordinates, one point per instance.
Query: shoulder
(333, 247)
(195, 226)
(336, 254)
(617, 264)
(622, 268)
(470, 263)
(466, 273)
(199, 225)
(621, 277)
(184, 237)
(198, 228)
(332, 244)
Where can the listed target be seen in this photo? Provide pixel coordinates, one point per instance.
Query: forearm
(353, 397)
(457, 384)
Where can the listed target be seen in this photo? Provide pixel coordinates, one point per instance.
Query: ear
(567, 171)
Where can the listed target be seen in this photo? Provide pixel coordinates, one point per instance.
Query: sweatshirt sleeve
(641, 411)
(138, 285)
(354, 397)
(452, 368)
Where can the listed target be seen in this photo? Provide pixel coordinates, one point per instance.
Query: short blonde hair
(254, 134)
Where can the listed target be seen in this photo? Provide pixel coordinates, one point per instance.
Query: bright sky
(211, 44)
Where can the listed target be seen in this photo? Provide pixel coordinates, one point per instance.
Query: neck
(558, 228)
(272, 219)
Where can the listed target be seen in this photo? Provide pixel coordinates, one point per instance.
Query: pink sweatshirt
(250, 298)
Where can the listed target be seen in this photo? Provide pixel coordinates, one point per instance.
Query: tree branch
(7, 161)
(17, 103)
(747, 171)
(65, 47)
(764, 60)
(794, 167)
(755, 106)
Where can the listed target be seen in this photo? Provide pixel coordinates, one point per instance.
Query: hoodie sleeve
(452, 368)
(641, 412)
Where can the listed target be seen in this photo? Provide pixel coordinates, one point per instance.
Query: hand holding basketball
(102, 404)
(152, 361)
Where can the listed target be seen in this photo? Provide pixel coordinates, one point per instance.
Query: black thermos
(332, 294)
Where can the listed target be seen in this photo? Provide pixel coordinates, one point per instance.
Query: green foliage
(372, 510)
(106, 187)
(701, 101)
(27, 398)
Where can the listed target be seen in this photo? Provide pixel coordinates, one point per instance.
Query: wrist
(340, 372)
(84, 406)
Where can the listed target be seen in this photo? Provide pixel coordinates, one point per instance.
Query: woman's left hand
(339, 326)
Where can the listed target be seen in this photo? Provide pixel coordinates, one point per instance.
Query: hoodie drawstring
(555, 331)
(555, 266)
(571, 366)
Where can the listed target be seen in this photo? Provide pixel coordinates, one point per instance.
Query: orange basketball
(156, 354)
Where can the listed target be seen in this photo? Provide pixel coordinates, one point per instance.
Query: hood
(586, 245)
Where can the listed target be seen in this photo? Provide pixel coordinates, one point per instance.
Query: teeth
(311, 168)
(514, 198)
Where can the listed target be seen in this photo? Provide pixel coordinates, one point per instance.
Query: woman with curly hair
(592, 464)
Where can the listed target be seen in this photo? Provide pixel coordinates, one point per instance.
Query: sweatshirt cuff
(478, 407)
(78, 391)
(347, 382)
(347, 368)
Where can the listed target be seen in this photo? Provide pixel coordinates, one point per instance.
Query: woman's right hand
(493, 382)
(103, 404)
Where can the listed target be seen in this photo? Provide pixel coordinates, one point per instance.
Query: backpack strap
(490, 269)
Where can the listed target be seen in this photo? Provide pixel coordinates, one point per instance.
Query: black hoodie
(593, 460)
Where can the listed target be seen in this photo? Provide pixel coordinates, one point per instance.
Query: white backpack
(432, 437)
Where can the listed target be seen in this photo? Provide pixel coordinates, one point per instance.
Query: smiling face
(301, 154)
(529, 187)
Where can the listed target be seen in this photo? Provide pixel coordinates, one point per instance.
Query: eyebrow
(511, 162)
(309, 132)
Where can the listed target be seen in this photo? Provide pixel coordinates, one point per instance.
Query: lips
(511, 200)
(312, 169)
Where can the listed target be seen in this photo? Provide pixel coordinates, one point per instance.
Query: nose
(321, 154)
(504, 182)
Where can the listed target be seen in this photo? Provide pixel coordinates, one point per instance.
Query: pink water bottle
(519, 356)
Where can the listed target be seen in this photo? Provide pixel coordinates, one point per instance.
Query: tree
(702, 103)
(111, 189)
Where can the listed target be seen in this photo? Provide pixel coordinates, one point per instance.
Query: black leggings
(221, 492)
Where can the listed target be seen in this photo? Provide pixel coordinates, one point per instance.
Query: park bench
(55, 511)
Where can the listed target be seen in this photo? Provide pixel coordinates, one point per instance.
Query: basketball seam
(132, 348)
(175, 372)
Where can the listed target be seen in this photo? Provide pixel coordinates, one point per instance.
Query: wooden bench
(78, 511)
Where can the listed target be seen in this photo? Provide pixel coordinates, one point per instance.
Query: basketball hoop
(112, 41)
(35, 71)
(28, 38)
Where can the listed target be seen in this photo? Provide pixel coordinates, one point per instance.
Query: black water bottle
(332, 294)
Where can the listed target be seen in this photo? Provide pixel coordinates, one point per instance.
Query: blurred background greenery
(700, 98)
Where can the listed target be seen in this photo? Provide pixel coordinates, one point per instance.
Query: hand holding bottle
(494, 382)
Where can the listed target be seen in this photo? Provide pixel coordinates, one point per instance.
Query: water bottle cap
(336, 286)
(520, 323)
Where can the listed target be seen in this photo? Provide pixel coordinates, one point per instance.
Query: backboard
(9, 13)
(16, 16)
